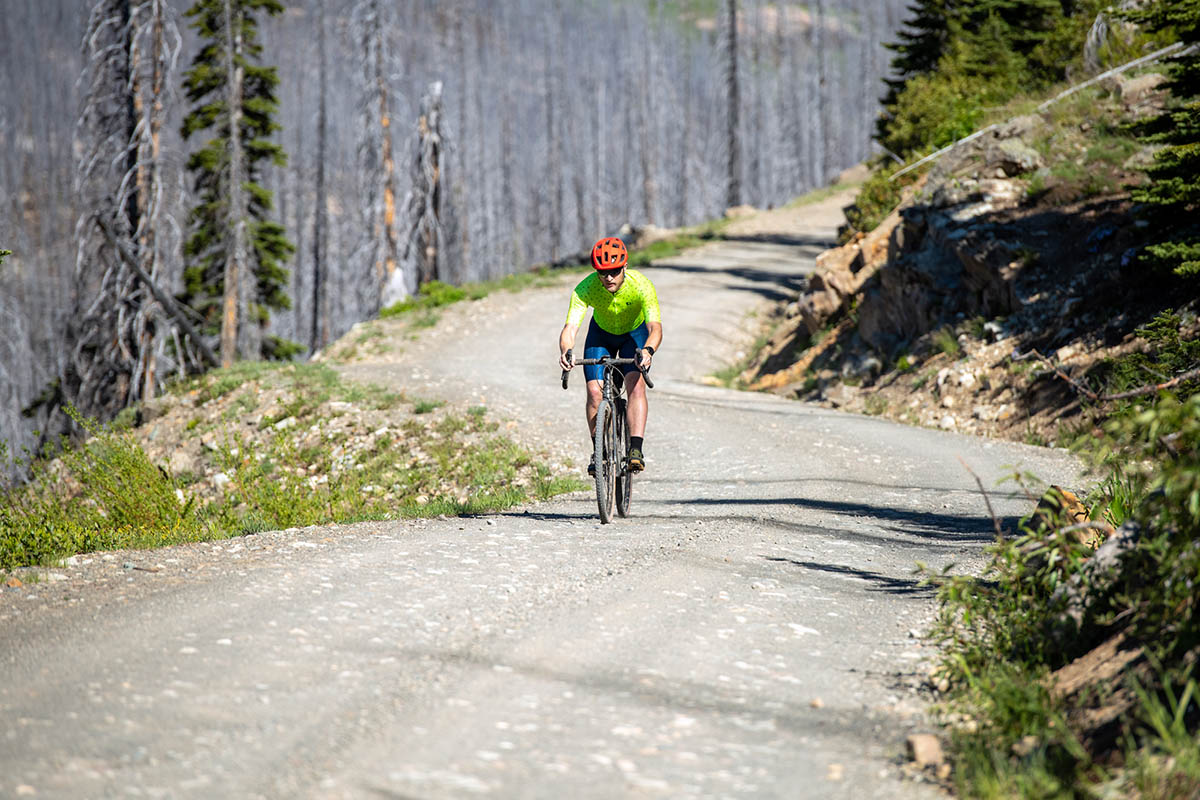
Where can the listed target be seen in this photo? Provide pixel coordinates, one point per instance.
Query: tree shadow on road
(925, 524)
(771, 284)
(883, 583)
(817, 243)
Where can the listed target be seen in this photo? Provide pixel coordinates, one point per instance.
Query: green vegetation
(963, 65)
(876, 198)
(957, 60)
(1172, 196)
(945, 341)
(211, 220)
(875, 405)
(303, 463)
(1040, 605)
(731, 375)
(426, 406)
(436, 294)
(664, 248)
(123, 501)
(1170, 353)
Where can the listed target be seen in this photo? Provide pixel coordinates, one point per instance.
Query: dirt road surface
(752, 631)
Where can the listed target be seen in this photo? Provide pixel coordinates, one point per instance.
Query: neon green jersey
(634, 303)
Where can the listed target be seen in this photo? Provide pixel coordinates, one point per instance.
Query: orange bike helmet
(609, 253)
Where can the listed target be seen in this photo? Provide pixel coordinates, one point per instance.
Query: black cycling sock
(635, 442)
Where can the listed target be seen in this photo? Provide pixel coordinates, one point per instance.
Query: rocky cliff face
(1020, 239)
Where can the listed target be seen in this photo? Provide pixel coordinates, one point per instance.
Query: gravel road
(752, 631)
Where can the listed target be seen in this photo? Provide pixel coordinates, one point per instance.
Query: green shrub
(876, 198)
(945, 341)
(1004, 630)
(123, 501)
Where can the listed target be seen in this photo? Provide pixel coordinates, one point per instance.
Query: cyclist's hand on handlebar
(566, 361)
(644, 359)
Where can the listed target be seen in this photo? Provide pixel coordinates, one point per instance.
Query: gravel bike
(614, 479)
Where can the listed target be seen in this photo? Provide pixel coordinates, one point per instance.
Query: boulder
(181, 462)
(1140, 88)
(924, 750)
(1013, 157)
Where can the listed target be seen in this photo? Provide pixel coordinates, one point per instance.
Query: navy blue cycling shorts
(600, 343)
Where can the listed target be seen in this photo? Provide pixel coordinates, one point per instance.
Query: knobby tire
(624, 479)
(606, 477)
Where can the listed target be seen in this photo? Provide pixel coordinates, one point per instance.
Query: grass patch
(427, 406)
(1045, 600)
(731, 376)
(945, 341)
(875, 405)
(123, 501)
(106, 494)
(437, 294)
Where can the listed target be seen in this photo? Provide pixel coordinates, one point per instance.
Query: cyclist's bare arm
(653, 340)
(566, 340)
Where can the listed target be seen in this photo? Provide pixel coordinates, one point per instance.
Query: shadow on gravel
(943, 527)
(742, 707)
(782, 285)
(883, 583)
(819, 243)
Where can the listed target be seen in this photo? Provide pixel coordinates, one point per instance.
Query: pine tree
(922, 42)
(236, 255)
(1172, 196)
(1024, 23)
(951, 51)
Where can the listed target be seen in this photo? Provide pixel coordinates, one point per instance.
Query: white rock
(984, 413)
(943, 375)
(966, 379)
(948, 401)
(948, 423)
(221, 480)
(284, 424)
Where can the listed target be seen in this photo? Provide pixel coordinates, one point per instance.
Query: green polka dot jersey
(634, 303)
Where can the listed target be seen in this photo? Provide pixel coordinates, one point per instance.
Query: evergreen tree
(953, 54)
(235, 272)
(922, 42)
(1172, 196)
(1023, 24)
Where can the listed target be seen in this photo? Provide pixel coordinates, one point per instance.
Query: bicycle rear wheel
(624, 478)
(606, 471)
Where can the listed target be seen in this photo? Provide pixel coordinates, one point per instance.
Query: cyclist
(625, 321)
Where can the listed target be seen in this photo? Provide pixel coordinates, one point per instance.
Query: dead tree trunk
(117, 337)
(237, 332)
(733, 185)
(425, 201)
(376, 156)
(319, 336)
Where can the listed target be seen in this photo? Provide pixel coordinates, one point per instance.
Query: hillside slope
(1004, 274)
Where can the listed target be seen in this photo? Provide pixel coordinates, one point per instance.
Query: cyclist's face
(612, 279)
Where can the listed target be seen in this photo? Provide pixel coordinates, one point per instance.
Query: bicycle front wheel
(624, 478)
(606, 459)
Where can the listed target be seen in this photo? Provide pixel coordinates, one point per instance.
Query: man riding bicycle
(625, 321)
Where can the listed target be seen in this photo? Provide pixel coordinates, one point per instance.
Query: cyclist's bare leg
(594, 392)
(637, 408)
